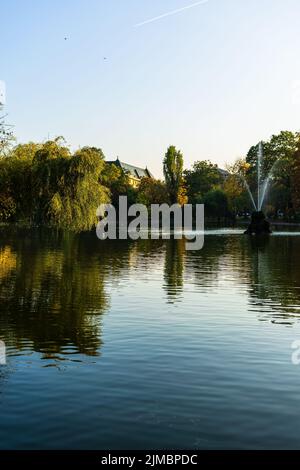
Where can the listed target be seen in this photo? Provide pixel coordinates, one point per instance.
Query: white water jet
(250, 193)
(259, 162)
(262, 184)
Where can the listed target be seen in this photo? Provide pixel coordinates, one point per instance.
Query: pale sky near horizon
(212, 79)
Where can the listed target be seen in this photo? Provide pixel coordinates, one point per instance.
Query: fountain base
(258, 225)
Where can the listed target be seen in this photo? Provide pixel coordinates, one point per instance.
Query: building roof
(223, 173)
(134, 171)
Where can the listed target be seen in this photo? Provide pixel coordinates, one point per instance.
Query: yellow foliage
(8, 261)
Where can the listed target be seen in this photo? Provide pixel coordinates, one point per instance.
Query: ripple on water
(134, 345)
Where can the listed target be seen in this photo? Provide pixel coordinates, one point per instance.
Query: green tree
(295, 180)
(278, 161)
(19, 165)
(46, 184)
(280, 147)
(78, 191)
(49, 174)
(7, 203)
(173, 172)
(152, 191)
(118, 184)
(203, 177)
(216, 203)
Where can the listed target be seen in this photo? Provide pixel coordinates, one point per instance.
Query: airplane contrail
(170, 13)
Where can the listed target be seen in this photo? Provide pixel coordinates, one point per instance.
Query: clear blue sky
(212, 80)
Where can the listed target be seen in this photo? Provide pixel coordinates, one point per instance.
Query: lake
(144, 345)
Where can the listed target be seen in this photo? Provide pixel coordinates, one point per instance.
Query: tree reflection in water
(54, 285)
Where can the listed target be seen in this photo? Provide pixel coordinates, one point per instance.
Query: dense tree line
(47, 184)
(226, 194)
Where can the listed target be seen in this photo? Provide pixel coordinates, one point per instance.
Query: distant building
(223, 173)
(134, 173)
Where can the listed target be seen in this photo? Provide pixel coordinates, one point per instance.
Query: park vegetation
(47, 184)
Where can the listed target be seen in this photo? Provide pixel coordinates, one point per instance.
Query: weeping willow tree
(46, 184)
(67, 188)
(79, 192)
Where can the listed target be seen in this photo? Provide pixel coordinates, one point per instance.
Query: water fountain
(259, 224)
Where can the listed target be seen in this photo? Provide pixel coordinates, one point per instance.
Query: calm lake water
(126, 345)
